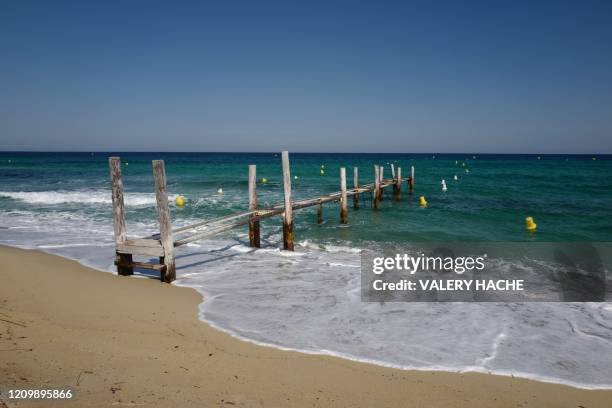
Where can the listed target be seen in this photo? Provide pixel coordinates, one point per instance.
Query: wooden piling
(356, 185)
(377, 188)
(114, 164)
(165, 223)
(253, 222)
(381, 170)
(394, 179)
(343, 203)
(288, 218)
(397, 187)
(162, 245)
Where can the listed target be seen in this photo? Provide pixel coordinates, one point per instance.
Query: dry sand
(120, 341)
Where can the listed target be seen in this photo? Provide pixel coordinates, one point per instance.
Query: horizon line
(297, 152)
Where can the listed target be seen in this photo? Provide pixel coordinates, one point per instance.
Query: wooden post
(398, 184)
(165, 224)
(381, 170)
(356, 185)
(288, 218)
(393, 177)
(320, 213)
(114, 164)
(376, 187)
(411, 179)
(253, 223)
(343, 203)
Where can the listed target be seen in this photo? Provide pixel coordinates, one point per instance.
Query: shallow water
(310, 300)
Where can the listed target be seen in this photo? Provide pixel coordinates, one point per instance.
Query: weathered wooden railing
(162, 245)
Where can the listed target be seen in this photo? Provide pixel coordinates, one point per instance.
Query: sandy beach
(119, 341)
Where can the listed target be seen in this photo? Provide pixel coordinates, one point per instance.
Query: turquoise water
(309, 300)
(570, 197)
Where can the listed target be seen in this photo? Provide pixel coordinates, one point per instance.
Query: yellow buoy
(530, 225)
(423, 201)
(180, 200)
(264, 180)
(322, 172)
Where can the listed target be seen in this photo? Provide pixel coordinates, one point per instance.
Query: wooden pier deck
(162, 245)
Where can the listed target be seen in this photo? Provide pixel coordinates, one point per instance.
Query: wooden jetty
(162, 245)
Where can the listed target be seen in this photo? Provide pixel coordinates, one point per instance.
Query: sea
(309, 300)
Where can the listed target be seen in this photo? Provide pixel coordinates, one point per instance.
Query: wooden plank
(343, 203)
(377, 191)
(151, 243)
(142, 265)
(207, 223)
(320, 213)
(288, 217)
(209, 233)
(398, 184)
(120, 230)
(189, 231)
(165, 223)
(206, 229)
(356, 186)
(411, 179)
(254, 237)
(139, 250)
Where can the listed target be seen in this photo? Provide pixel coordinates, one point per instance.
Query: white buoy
(467, 171)
(455, 177)
(220, 191)
(295, 177)
(444, 185)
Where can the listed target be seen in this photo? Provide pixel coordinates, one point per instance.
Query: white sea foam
(310, 301)
(328, 247)
(78, 197)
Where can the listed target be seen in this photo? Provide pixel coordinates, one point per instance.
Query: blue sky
(508, 77)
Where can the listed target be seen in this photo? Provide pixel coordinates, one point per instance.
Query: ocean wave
(79, 197)
(331, 248)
